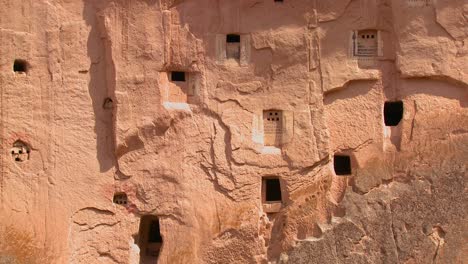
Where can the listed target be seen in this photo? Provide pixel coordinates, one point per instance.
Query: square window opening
(20, 66)
(342, 165)
(393, 113)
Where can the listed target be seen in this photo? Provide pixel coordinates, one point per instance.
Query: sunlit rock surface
(233, 131)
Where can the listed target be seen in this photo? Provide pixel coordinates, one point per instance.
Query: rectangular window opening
(342, 165)
(233, 46)
(150, 239)
(120, 198)
(366, 43)
(393, 113)
(273, 127)
(233, 38)
(272, 190)
(177, 76)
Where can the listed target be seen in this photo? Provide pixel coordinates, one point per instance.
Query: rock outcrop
(246, 131)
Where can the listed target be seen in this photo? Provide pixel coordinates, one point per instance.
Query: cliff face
(247, 131)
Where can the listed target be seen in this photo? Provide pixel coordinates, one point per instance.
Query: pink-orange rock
(202, 131)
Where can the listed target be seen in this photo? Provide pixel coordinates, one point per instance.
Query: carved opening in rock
(120, 198)
(177, 76)
(178, 89)
(393, 113)
(150, 239)
(342, 165)
(271, 195)
(20, 151)
(233, 46)
(20, 66)
(272, 188)
(366, 43)
(273, 127)
(108, 103)
(279, 1)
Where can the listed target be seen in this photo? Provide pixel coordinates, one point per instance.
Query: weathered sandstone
(233, 131)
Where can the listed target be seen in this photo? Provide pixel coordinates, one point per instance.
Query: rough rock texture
(95, 114)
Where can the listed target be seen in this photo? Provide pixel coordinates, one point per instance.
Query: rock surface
(97, 132)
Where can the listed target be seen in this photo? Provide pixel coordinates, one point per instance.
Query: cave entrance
(150, 239)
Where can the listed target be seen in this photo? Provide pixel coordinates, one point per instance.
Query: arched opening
(20, 151)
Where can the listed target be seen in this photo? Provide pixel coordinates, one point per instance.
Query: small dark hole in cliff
(108, 103)
(342, 165)
(120, 198)
(273, 190)
(177, 76)
(233, 46)
(393, 113)
(233, 38)
(20, 66)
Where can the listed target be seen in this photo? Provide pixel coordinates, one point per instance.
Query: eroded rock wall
(97, 112)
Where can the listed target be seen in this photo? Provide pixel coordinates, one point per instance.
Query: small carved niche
(342, 164)
(271, 194)
(273, 127)
(20, 66)
(233, 46)
(179, 87)
(20, 151)
(120, 198)
(108, 103)
(366, 43)
(150, 240)
(393, 113)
